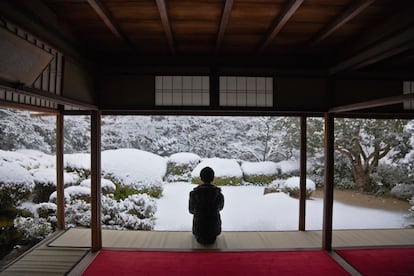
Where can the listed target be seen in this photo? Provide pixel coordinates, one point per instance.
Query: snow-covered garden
(151, 163)
(144, 191)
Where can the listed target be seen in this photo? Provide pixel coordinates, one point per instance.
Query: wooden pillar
(302, 196)
(96, 230)
(60, 197)
(329, 182)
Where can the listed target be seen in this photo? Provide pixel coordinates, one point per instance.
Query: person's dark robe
(206, 202)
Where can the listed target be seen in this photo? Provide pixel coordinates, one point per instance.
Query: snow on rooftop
(222, 167)
(183, 158)
(134, 167)
(259, 168)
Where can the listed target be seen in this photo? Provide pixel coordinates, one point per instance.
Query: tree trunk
(362, 178)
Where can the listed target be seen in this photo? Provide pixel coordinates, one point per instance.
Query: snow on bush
(28, 159)
(288, 167)
(33, 229)
(403, 191)
(78, 213)
(79, 163)
(226, 171)
(292, 186)
(180, 166)
(141, 171)
(135, 212)
(46, 209)
(259, 172)
(45, 183)
(73, 192)
(16, 184)
(107, 186)
(183, 158)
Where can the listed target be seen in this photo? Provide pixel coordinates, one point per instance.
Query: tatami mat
(77, 237)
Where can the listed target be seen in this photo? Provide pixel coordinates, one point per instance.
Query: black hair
(207, 175)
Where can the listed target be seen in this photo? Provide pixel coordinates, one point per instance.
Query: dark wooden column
(96, 230)
(329, 182)
(302, 196)
(60, 198)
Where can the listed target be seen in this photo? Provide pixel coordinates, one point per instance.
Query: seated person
(206, 202)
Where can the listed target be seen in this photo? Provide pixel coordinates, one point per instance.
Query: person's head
(207, 175)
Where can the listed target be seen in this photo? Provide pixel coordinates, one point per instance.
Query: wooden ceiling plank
(287, 12)
(223, 23)
(351, 12)
(162, 8)
(109, 21)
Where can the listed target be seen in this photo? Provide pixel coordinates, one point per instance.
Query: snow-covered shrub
(180, 166)
(388, 175)
(79, 163)
(226, 171)
(45, 184)
(292, 186)
(134, 171)
(78, 213)
(288, 168)
(46, 209)
(403, 191)
(135, 212)
(107, 186)
(73, 192)
(260, 172)
(343, 178)
(16, 184)
(33, 229)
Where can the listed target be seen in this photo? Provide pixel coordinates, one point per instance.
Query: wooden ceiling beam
(351, 12)
(223, 23)
(280, 21)
(109, 21)
(393, 45)
(162, 8)
(372, 103)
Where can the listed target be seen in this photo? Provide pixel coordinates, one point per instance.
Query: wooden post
(60, 197)
(96, 230)
(302, 196)
(329, 182)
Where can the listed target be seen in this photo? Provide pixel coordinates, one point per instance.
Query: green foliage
(219, 181)
(9, 237)
(42, 192)
(123, 192)
(83, 173)
(259, 179)
(13, 194)
(295, 192)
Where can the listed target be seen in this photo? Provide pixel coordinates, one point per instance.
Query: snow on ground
(247, 209)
